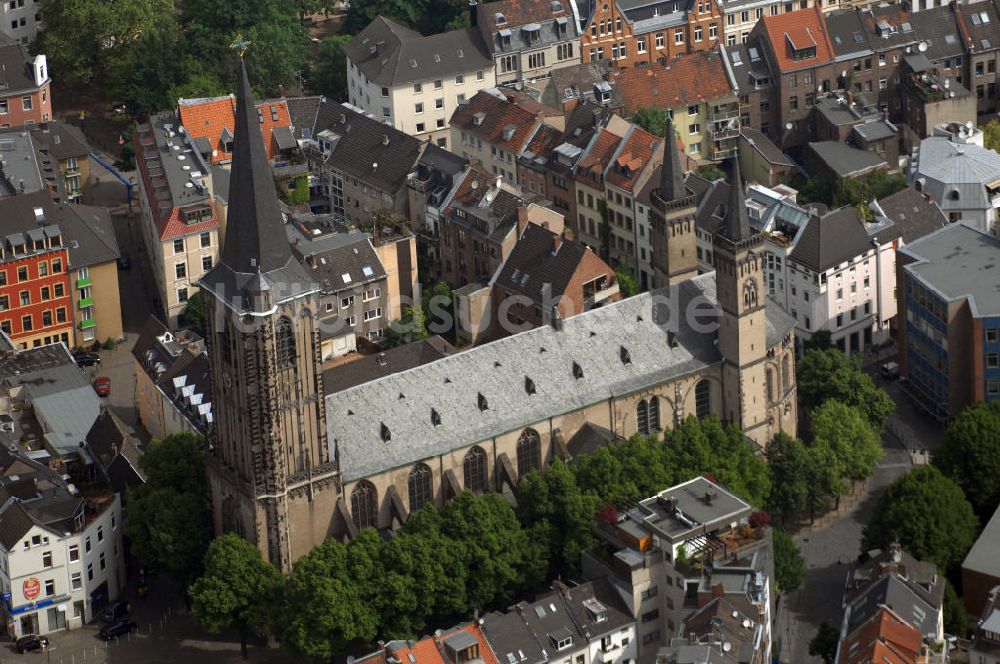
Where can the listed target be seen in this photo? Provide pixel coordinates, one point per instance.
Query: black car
(85, 359)
(116, 611)
(118, 629)
(31, 642)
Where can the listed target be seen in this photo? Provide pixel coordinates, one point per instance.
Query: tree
(168, 519)
(991, 135)
(331, 597)
(863, 190)
(627, 285)
(846, 431)
(820, 339)
(85, 39)
(711, 172)
(824, 644)
(789, 565)
(823, 477)
(823, 374)
(970, 455)
(927, 514)
(362, 12)
(552, 501)
(438, 307)
(194, 313)
(329, 74)
(409, 328)
(788, 461)
(956, 620)
(653, 120)
(236, 590)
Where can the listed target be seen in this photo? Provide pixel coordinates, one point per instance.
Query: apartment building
(754, 85)
(697, 93)
(742, 15)
(182, 220)
(25, 86)
(949, 347)
(725, 630)
(981, 569)
(672, 554)
(209, 123)
(61, 152)
(528, 38)
(413, 82)
(980, 29)
(985, 646)
(592, 224)
(494, 130)
(20, 20)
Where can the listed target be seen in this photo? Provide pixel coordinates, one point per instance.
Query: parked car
(102, 386)
(116, 611)
(85, 359)
(31, 642)
(890, 370)
(118, 629)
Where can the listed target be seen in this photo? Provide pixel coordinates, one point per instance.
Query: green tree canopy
(929, 516)
(168, 519)
(329, 74)
(627, 284)
(823, 478)
(823, 374)
(789, 565)
(788, 461)
(991, 135)
(956, 620)
(824, 644)
(409, 328)
(711, 172)
(846, 431)
(970, 455)
(838, 192)
(237, 589)
(653, 120)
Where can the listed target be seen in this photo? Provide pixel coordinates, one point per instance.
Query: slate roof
(944, 167)
(402, 402)
(213, 118)
(912, 213)
(846, 160)
(748, 72)
(847, 34)
(532, 264)
(16, 72)
(979, 25)
(888, 27)
(577, 82)
(302, 114)
(15, 523)
(766, 147)
(60, 140)
(688, 79)
(889, 590)
(544, 16)
(803, 27)
(116, 452)
(390, 54)
(90, 227)
(499, 114)
(938, 28)
(384, 167)
(875, 131)
(343, 266)
(919, 576)
(830, 240)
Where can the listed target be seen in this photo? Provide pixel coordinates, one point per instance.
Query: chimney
(385, 139)
(895, 552)
(556, 243)
(473, 18)
(522, 220)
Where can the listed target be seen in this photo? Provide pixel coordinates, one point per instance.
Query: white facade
(20, 19)
(61, 580)
(617, 646)
(423, 108)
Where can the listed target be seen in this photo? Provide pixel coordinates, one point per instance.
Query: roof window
(384, 433)
(481, 401)
(577, 371)
(529, 385)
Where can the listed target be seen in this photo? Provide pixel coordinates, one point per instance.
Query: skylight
(367, 270)
(346, 277)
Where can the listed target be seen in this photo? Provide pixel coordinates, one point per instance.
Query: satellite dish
(215, 153)
(969, 125)
(727, 646)
(922, 47)
(789, 126)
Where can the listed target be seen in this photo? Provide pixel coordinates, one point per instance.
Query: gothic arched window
(364, 506)
(642, 418)
(702, 399)
(786, 381)
(474, 468)
(418, 485)
(529, 452)
(769, 380)
(654, 415)
(284, 342)
(750, 294)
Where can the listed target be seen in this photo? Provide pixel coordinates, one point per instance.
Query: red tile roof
(206, 118)
(498, 113)
(599, 155)
(466, 192)
(639, 149)
(689, 79)
(802, 28)
(886, 638)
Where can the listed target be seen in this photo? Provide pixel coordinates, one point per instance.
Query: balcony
(719, 154)
(723, 114)
(87, 323)
(71, 172)
(85, 302)
(597, 297)
(81, 283)
(724, 130)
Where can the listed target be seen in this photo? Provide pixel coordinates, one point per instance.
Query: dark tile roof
(91, 228)
(532, 264)
(514, 15)
(766, 147)
(361, 149)
(938, 28)
(15, 522)
(749, 67)
(372, 367)
(16, 71)
(980, 26)
(491, 116)
(116, 452)
(302, 113)
(61, 140)
(356, 259)
(888, 27)
(846, 160)
(688, 79)
(830, 240)
(391, 54)
(847, 34)
(912, 213)
(590, 438)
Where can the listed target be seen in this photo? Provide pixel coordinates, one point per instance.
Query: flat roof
(696, 504)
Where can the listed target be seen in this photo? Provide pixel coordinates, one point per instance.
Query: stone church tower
(739, 264)
(673, 233)
(270, 461)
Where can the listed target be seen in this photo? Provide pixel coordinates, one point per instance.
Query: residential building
(435, 177)
(979, 25)
(742, 15)
(850, 120)
(21, 20)
(837, 161)
(25, 86)
(985, 646)
(547, 278)
(24, 169)
(930, 98)
(754, 84)
(943, 50)
(981, 567)
(36, 298)
(954, 169)
(181, 219)
(528, 38)
(911, 589)
(93, 271)
(360, 191)
(115, 453)
(726, 630)
(458, 645)
(885, 637)
(66, 150)
(493, 130)
(762, 161)
(674, 553)
(287, 498)
(208, 123)
(949, 348)
(172, 393)
(583, 83)
(697, 94)
(413, 82)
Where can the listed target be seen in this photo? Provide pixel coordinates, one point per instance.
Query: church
(291, 466)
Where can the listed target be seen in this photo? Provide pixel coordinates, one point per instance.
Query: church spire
(671, 174)
(255, 239)
(737, 226)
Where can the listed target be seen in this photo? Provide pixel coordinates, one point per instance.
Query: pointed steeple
(255, 238)
(671, 174)
(737, 226)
